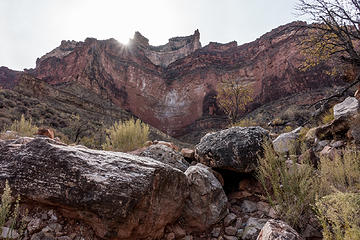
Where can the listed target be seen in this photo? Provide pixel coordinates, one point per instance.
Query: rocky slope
(172, 87)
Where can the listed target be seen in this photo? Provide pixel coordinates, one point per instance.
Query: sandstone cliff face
(8, 77)
(175, 49)
(172, 87)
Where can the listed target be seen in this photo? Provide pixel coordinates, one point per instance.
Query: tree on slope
(334, 33)
(232, 98)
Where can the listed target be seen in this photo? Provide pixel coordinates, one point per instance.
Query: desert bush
(328, 117)
(89, 141)
(339, 216)
(277, 122)
(246, 122)
(302, 133)
(342, 173)
(289, 187)
(355, 129)
(288, 129)
(10, 213)
(126, 136)
(23, 127)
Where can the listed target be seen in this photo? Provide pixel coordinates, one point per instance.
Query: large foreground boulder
(120, 196)
(207, 203)
(166, 155)
(278, 230)
(235, 149)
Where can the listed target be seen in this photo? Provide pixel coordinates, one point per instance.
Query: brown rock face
(8, 77)
(46, 132)
(172, 87)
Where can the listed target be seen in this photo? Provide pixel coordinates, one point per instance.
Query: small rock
(272, 213)
(231, 231)
(248, 206)
(348, 107)
(168, 144)
(310, 136)
(188, 237)
(285, 141)
(252, 228)
(238, 223)
(42, 236)
(46, 132)
(229, 219)
(309, 155)
(216, 232)
(44, 216)
(239, 195)
(178, 231)
(329, 152)
(276, 229)
(7, 233)
(239, 233)
(230, 237)
(188, 153)
(56, 227)
(46, 229)
(263, 207)
(337, 144)
(311, 232)
(321, 144)
(250, 233)
(63, 238)
(34, 225)
(170, 236)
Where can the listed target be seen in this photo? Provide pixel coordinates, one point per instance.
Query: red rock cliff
(172, 86)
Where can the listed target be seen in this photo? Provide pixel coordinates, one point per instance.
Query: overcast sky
(31, 28)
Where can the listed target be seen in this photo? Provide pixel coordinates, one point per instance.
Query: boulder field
(74, 192)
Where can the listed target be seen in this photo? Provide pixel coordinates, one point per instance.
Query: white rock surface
(285, 141)
(348, 107)
(278, 230)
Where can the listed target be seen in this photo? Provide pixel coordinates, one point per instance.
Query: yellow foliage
(126, 136)
(289, 187)
(277, 121)
(341, 173)
(232, 98)
(317, 51)
(302, 133)
(10, 213)
(288, 129)
(328, 117)
(246, 122)
(24, 127)
(339, 215)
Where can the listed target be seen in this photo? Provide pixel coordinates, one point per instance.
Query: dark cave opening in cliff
(233, 179)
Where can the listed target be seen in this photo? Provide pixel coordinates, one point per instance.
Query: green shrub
(277, 122)
(339, 216)
(10, 213)
(24, 127)
(246, 122)
(328, 117)
(342, 173)
(126, 136)
(289, 187)
(288, 129)
(302, 133)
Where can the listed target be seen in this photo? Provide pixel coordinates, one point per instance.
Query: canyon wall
(172, 87)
